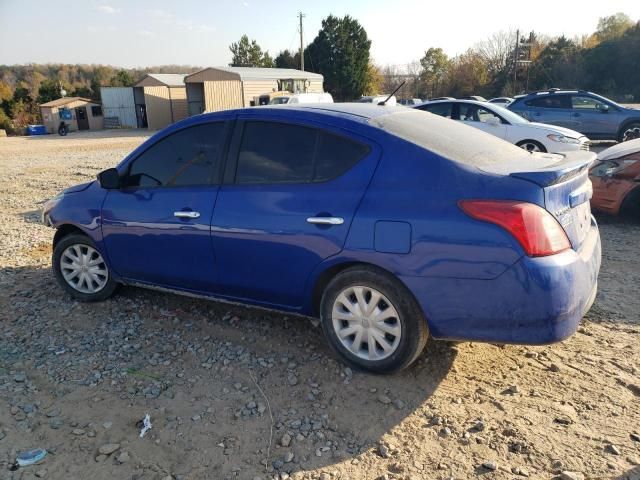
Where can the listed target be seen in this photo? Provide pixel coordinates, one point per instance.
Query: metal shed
(119, 107)
(223, 88)
(160, 99)
(77, 112)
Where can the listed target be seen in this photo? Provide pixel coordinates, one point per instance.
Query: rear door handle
(326, 220)
(186, 214)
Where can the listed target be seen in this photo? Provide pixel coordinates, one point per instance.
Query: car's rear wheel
(531, 146)
(81, 270)
(630, 131)
(372, 321)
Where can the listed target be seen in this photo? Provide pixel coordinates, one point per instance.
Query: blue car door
(156, 227)
(290, 193)
(591, 116)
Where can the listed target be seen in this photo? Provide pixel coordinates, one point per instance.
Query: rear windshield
(448, 138)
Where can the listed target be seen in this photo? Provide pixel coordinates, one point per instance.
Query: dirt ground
(230, 389)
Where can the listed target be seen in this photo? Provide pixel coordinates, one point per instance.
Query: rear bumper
(536, 301)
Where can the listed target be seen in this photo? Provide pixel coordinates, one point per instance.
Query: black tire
(522, 144)
(63, 130)
(414, 329)
(81, 240)
(629, 131)
(630, 207)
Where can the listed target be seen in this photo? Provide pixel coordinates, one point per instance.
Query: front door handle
(326, 220)
(186, 214)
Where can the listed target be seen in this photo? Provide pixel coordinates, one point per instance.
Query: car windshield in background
(511, 117)
(451, 140)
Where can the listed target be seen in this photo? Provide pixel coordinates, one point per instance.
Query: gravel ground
(239, 393)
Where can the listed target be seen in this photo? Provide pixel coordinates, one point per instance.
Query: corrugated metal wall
(254, 88)
(158, 107)
(179, 103)
(222, 95)
(119, 102)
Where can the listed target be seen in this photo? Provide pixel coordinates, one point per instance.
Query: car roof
(455, 100)
(359, 112)
(620, 150)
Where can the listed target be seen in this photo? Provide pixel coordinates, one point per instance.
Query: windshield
(279, 100)
(511, 117)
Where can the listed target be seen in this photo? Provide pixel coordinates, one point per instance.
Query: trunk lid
(566, 186)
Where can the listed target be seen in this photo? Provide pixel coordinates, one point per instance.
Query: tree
(497, 51)
(340, 52)
(613, 26)
(249, 54)
(435, 67)
(374, 80)
(5, 92)
(558, 65)
(286, 60)
(122, 79)
(49, 90)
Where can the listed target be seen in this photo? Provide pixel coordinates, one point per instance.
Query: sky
(142, 33)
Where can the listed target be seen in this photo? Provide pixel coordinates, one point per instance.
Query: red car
(616, 180)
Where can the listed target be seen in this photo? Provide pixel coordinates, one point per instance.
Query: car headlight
(562, 139)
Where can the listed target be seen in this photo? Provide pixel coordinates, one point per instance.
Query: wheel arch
(630, 204)
(325, 276)
(65, 230)
(625, 124)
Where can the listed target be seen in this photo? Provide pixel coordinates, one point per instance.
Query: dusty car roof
(620, 150)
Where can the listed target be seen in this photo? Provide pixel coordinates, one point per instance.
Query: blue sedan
(391, 225)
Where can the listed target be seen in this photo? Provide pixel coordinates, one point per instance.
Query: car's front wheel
(81, 270)
(531, 146)
(372, 321)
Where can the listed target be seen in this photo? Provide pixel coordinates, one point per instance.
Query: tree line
(606, 61)
(24, 87)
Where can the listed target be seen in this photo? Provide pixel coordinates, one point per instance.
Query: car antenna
(392, 93)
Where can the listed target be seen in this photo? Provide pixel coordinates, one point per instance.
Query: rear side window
(187, 157)
(442, 109)
(550, 101)
(273, 152)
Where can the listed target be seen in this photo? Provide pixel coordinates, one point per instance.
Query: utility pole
(515, 62)
(301, 16)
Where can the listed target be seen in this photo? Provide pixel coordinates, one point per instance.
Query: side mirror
(495, 121)
(604, 108)
(109, 179)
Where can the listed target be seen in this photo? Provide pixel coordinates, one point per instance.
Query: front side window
(187, 157)
(273, 152)
(475, 113)
(582, 102)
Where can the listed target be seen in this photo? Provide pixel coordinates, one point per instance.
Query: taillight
(536, 229)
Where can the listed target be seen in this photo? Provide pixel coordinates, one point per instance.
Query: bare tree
(497, 50)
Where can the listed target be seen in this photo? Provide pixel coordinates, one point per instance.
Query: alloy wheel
(366, 323)
(631, 133)
(530, 147)
(83, 268)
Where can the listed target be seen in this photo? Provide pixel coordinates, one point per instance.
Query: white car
(505, 124)
(502, 101)
(378, 99)
(302, 98)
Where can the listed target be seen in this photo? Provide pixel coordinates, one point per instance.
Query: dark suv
(592, 115)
